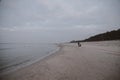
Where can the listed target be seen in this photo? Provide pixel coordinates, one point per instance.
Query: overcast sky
(56, 20)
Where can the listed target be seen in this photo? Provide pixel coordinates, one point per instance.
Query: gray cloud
(56, 20)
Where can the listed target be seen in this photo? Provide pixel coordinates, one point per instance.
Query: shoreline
(72, 63)
(51, 54)
(27, 64)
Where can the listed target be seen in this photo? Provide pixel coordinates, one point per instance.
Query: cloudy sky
(56, 20)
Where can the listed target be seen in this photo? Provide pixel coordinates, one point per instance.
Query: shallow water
(14, 55)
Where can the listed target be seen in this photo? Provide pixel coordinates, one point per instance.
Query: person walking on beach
(79, 45)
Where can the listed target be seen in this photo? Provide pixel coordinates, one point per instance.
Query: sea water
(17, 55)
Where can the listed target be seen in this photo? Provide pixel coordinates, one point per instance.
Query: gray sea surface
(17, 55)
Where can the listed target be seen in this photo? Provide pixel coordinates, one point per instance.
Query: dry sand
(73, 63)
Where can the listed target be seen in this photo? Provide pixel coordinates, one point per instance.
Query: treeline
(112, 35)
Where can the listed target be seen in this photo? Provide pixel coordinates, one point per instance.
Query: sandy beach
(89, 62)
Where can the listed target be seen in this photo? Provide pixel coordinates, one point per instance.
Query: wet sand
(71, 62)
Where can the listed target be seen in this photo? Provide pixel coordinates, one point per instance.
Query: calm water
(16, 55)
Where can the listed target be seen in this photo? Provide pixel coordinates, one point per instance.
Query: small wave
(5, 48)
(2, 69)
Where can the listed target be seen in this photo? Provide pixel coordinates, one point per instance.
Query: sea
(14, 56)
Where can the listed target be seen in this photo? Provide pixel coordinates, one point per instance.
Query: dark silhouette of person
(79, 45)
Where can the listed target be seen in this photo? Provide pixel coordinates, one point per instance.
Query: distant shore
(89, 62)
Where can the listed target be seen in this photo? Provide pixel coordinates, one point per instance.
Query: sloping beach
(89, 62)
